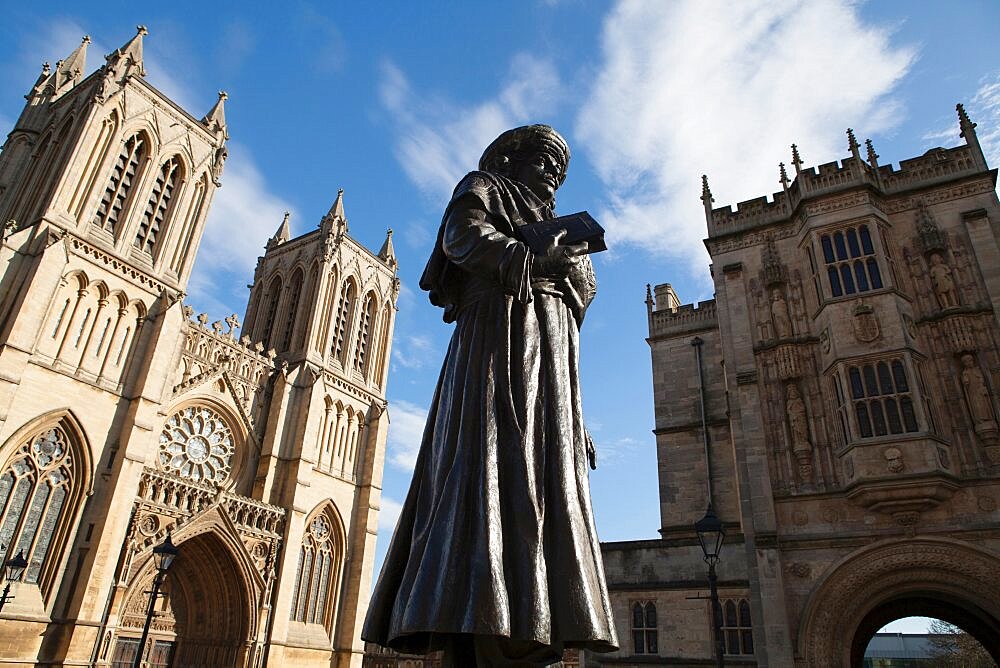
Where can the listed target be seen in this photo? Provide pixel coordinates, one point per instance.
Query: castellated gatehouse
(256, 445)
(837, 403)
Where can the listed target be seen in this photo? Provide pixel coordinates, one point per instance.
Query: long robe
(496, 537)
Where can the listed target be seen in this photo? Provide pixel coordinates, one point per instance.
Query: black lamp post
(163, 557)
(15, 569)
(711, 535)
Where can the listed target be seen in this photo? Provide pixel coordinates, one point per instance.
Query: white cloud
(406, 428)
(388, 514)
(413, 351)
(692, 87)
(985, 110)
(438, 140)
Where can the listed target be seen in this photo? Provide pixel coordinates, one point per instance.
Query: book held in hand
(580, 227)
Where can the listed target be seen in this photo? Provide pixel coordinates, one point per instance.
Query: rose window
(196, 443)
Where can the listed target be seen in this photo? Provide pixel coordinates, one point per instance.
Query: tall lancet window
(365, 333)
(34, 488)
(124, 176)
(319, 564)
(155, 215)
(344, 316)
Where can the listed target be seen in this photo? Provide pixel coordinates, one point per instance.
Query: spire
(853, 145)
(283, 234)
(70, 71)
(967, 130)
(215, 119)
(44, 79)
(783, 177)
(388, 253)
(649, 301)
(706, 198)
(130, 55)
(796, 160)
(337, 210)
(872, 155)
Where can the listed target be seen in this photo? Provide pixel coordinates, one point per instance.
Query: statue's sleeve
(471, 242)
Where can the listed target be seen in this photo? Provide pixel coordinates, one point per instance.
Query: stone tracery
(197, 443)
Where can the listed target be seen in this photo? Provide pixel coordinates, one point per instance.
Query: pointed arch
(46, 471)
(291, 308)
(92, 168)
(321, 560)
(362, 352)
(326, 314)
(382, 353)
(265, 326)
(160, 205)
(305, 322)
(191, 224)
(126, 173)
(35, 168)
(345, 314)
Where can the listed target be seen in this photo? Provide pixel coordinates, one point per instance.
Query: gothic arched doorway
(934, 577)
(206, 617)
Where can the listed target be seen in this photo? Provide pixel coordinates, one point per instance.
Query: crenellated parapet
(684, 319)
(936, 166)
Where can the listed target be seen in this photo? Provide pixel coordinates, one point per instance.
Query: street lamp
(163, 557)
(710, 536)
(15, 569)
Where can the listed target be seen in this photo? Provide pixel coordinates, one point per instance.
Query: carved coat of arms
(866, 326)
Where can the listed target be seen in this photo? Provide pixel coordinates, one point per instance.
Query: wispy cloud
(388, 514)
(693, 87)
(984, 110)
(413, 351)
(439, 140)
(406, 428)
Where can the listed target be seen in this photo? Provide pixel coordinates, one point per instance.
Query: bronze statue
(495, 558)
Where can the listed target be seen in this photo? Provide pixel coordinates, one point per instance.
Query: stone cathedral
(849, 369)
(123, 418)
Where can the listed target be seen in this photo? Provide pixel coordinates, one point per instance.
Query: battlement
(684, 319)
(938, 165)
(208, 349)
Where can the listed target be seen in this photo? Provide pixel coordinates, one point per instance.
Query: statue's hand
(558, 259)
(591, 452)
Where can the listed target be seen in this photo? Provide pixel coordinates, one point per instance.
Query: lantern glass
(164, 554)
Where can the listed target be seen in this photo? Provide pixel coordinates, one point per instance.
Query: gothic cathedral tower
(124, 422)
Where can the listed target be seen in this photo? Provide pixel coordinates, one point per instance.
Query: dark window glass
(731, 614)
(909, 417)
(650, 616)
(884, 379)
(859, 274)
(845, 276)
(892, 413)
(835, 289)
(747, 641)
(838, 243)
(864, 424)
(878, 418)
(866, 240)
(732, 641)
(871, 386)
(852, 243)
(827, 248)
(637, 616)
(899, 374)
(651, 646)
(744, 613)
(639, 642)
(857, 389)
(873, 271)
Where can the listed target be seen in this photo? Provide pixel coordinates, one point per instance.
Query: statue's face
(540, 172)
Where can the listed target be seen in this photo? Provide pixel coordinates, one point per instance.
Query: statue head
(535, 155)
(936, 258)
(793, 392)
(968, 361)
(776, 295)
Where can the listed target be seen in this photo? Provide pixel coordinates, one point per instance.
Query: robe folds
(496, 537)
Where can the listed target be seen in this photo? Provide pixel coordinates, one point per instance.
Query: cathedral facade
(124, 418)
(837, 405)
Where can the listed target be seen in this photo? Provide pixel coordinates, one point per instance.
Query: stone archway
(939, 577)
(206, 618)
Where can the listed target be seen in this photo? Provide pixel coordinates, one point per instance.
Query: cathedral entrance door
(205, 617)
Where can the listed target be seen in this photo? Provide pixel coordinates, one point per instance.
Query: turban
(517, 144)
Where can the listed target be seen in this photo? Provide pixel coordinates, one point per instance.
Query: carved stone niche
(899, 476)
(979, 401)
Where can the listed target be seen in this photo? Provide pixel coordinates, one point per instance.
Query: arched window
(345, 314)
(737, 631)
(155, 216)
(319, 565)
(34, 488)
(644, 628)
(196, 443)
(295, 292)
(124, 175)
(326, 313)
(383, 344)
(364, 333)
(271, 309)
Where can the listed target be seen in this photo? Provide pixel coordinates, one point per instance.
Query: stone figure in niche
(779, 315)
(495, 558)
(798, 425)
(977, 395)
(942, 282)
(893, 460)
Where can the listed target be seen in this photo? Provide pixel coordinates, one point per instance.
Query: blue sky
(394, 101)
